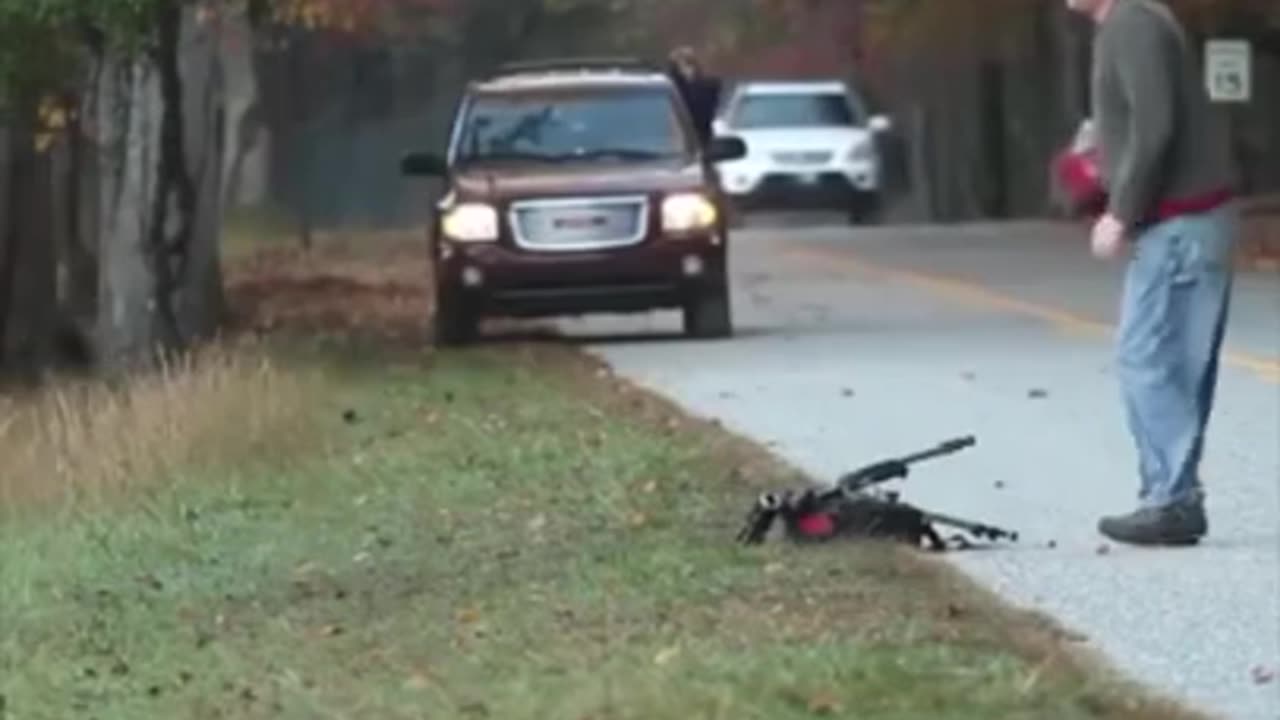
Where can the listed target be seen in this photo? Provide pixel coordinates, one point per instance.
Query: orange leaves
(52, 118)
(313, 14)
(351, 16)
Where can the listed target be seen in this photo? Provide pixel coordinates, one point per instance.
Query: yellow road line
(979, 295)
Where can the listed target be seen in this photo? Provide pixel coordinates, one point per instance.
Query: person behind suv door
(700, 90)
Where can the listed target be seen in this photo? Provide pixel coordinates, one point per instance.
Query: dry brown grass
(89, 441)
(369, 285)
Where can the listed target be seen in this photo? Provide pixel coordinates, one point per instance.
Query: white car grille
(579, 223)
(801, 157)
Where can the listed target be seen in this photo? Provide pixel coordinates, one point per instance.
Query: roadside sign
(1228, 70)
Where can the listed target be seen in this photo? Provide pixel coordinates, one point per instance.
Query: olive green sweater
(1159, 137)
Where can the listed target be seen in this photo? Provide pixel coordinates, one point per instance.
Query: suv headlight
(688, 211)
(471, 222)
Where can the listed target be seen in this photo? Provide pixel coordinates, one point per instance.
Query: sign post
(1228, 70)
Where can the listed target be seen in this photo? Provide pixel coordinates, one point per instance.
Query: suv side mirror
(880, 124)
(726, 148)
(418, 163)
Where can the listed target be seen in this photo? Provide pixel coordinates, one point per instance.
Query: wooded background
(132, 129)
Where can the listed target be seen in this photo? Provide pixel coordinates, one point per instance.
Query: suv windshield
(794, 110)
(568, 125)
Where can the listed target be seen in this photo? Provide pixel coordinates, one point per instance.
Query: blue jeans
(1174, 310)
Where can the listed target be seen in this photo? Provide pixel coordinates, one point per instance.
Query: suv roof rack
(570, 64)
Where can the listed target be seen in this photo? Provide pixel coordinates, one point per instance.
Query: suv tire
(709, 314)
(454, 323)
(865, 210)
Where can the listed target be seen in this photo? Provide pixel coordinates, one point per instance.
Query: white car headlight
(862, 152)
(688, 211)
(471, 222)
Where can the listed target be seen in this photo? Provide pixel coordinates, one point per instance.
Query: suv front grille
(580, 223)
(811, 157)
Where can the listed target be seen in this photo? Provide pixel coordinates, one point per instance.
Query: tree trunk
(160, 125)
(28, 268)
(199, 298)
(128, 124)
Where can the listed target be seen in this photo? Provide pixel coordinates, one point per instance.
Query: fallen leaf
(469, 616)
(537, 522)
(638, 520)
(665, 656)
(825, 703)
(152, 582)
(773, 568)
(331, 630)
(651, 487)
(417, 681)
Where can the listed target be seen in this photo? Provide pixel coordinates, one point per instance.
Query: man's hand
(1108, 238)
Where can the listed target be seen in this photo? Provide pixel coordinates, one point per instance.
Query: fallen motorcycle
(853, 507)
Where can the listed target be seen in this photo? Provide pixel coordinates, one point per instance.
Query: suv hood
(500, 183)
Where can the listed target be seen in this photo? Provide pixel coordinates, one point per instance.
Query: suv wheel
(864, 210)
(709, 315)
(454, 324)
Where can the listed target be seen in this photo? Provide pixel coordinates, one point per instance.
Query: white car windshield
(562, 126)
(784, 110)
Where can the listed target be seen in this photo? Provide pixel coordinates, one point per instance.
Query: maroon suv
(575, 187)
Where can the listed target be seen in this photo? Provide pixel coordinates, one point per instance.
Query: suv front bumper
(495, 279)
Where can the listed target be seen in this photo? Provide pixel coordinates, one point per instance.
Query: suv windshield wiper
(505, 156)
(621, 153)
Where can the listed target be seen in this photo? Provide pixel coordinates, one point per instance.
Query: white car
(812, 145)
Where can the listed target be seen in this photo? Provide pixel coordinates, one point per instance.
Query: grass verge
(506, 532)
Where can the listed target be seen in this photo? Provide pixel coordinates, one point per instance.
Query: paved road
(1002, 332)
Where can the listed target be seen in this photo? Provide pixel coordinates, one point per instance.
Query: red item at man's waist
(1079, 178)
(1175, 207)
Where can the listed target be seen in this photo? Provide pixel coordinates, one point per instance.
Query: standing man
(1167, 175)
(701, 91)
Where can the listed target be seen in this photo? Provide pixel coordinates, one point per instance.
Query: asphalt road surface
(858, 344)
